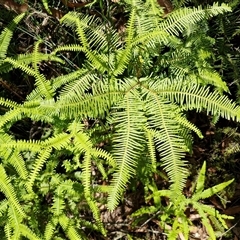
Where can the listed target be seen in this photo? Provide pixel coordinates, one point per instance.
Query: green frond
(122, 59)
(72, 80)
(100, 153)
(205, 220)
(86, 175)
(7, 33)
(153, 37)
(12, 115)
(72, 47)
(201, 98)
(27, 232)
(58, 142)
(3, 207)
(201, 179)
(96, 214)
(24, 145)
(77, 87)
(151, 147)
(8, 103)
(211, 191)
(50, 228)
(87, 105)
(128, 143)
(45, 4)
(58, 202)
(209, 210)
(27, 59)
(97, 60)
(36, 59)
(18, 163)
(184, 122)
(131, 23)
(9, 192)
(39, 162)
(41, 82)
(14, 220)
(180, 19)
(80, 21)
(154, 8)
(207, 76)
(168, 141)
(7, 230)
(69, 228)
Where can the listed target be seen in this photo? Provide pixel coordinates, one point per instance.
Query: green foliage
(140, 90)
(179, 204)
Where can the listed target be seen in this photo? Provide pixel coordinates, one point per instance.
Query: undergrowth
(120, 114)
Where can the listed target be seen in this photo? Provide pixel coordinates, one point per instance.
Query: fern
(121, 84)
(6, 35)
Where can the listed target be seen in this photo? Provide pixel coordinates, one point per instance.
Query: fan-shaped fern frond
(180, 19)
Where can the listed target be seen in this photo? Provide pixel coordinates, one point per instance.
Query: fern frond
(100, 153)
(87, 105)
(58, 202)
(27, 59)
(211, 191)
(72, 47)
(12, 115)
(50, 228)
(45, 4)
(27, 232)
(169, 142)
(80, 21)
(80, 75)
(96, 213)
(8, 103)
(18, 163)
(204, 220)
(128, 142)
(8, 232)
(41, 82)
(57, 142)
(23, 145)
(184, 122)
(9, 192)
(7, 33)
(180, 19)
(201, 179)
(151, 147)
(35, 55)
(69, 228)
(43, 156)
(86, 175)
(196, 97)
(3, 206)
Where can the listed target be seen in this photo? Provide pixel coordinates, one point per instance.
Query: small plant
(179, 204)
